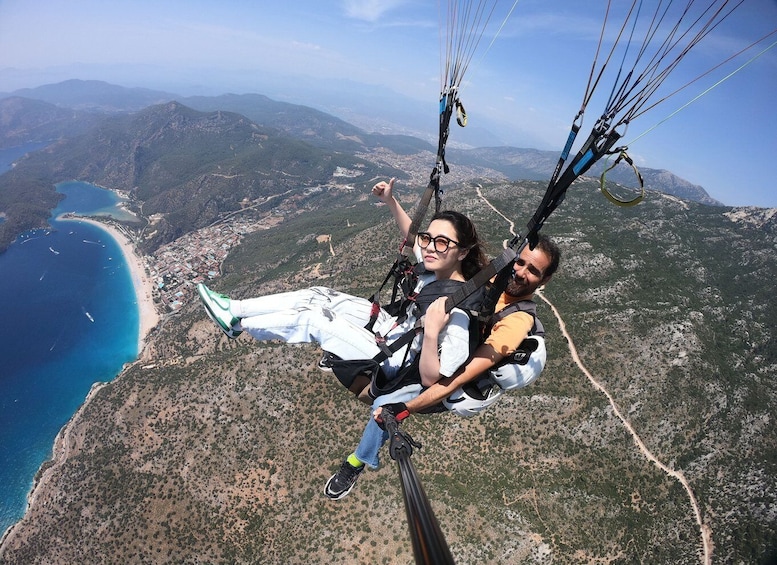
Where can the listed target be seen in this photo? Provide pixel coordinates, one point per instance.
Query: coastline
(148, 317)
(59, 455)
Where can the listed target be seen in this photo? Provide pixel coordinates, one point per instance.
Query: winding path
(704, 529)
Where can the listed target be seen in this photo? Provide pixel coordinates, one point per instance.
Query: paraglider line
(695, 98)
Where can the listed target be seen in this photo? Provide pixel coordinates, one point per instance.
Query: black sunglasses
(441, 243)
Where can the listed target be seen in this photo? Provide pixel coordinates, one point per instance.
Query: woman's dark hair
(467, 236)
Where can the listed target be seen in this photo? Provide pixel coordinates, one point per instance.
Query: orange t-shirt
(508, 333)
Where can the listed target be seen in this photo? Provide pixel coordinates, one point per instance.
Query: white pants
(332, 319)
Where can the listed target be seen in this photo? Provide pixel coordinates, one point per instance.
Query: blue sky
(525, 85)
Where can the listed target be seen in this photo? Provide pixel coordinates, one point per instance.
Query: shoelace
(348, 471)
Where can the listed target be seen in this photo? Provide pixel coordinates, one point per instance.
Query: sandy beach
(147, 313)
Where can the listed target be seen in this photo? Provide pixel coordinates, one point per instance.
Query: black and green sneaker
(326, 361)
(341, 483)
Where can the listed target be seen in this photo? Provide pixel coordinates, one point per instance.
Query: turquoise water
(70, 319)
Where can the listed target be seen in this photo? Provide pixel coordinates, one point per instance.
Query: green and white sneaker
(217, 307)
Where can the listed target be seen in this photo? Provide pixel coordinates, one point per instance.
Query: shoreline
(59, 455)
(148, 316)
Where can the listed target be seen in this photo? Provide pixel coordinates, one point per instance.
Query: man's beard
(516, 289)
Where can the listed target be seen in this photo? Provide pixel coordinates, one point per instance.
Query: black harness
(347, 370)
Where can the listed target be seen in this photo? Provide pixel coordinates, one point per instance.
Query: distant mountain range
(191, 159)
(93, 96)
(534, 164)
(298, 121)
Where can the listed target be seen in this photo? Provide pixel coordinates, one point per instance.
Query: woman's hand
(436, 317)
(384, 191)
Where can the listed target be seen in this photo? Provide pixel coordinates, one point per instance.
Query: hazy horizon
(382, 60)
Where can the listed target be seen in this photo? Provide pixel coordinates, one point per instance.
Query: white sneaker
(217, 307)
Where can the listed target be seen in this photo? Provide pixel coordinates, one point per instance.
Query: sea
(70, 319)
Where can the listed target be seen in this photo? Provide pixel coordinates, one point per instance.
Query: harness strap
(423, 299)
(528, 306)
(481, 278)
(400, 271)
(432, 189)
(387, 350)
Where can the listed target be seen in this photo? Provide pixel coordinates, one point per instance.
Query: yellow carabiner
(610, 196)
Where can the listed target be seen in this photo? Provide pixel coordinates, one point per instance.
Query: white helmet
(517, 371)
(524, 366)
(473, 398)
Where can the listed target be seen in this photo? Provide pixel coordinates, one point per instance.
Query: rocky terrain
(215, 451)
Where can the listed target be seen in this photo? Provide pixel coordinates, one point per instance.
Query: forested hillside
(186, 167)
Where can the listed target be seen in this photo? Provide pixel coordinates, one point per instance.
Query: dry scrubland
(219, 454)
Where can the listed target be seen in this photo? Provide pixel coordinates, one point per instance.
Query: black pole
(429, 545)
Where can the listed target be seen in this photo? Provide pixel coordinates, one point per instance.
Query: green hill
(186, 167)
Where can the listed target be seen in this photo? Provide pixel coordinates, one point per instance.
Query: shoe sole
(204, 299)
(342, 494)
(326, 367)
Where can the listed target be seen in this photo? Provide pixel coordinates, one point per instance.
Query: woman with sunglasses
(450, 250)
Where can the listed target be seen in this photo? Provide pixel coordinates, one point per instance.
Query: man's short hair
(549, 247)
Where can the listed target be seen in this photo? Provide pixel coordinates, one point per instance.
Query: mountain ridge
(312, 126)
(183, 166)
(94, 95)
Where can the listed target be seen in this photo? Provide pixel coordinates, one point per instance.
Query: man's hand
(398, 410)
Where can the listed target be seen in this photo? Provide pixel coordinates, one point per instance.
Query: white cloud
(303, 46)
(369, 10)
